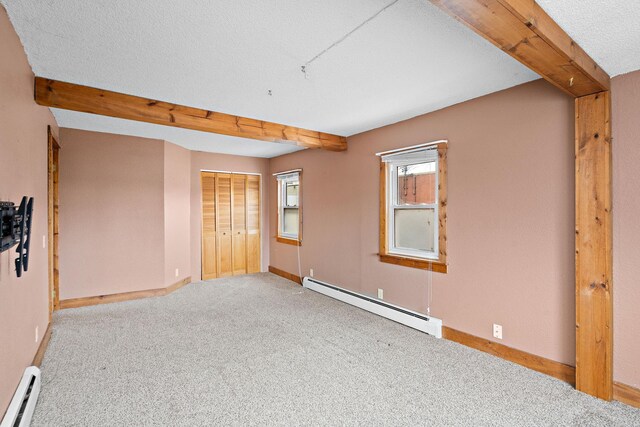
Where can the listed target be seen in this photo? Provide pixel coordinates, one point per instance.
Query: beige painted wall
(511, 218)
(222, 162)
(23, 171)
(177, 210)
(126, 227)
(626, 227)
(111, 214)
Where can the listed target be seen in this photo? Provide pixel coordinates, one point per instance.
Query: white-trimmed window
(289, 207)
(413, 208)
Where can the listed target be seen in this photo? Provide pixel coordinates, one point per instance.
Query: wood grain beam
(69, 96)
(594, 259)
(522, 29)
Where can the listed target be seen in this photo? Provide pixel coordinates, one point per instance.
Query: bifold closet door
(208, 183)
(224, 247)
(238, 196)
(253, 223)
(230, 224)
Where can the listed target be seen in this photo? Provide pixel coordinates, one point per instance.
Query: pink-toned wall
(127, 228)
(177, 211)
(510, 218)
(221, 162)
(626, 227)
(111, 214)
(23, 171)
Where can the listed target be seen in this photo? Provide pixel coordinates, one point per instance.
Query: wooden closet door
(208, 184)
(238, 197)
(253, 223)
(223, 226)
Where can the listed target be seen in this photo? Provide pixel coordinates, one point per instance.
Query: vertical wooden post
(53, 214)
(594, 313)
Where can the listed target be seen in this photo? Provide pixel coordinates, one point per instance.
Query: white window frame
(392, 163)
(283, 180)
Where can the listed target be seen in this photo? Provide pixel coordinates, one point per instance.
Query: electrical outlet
(311, 272)
(380, 294)
(177, 272)
(37, 334)
(44, 241)
(497, 331)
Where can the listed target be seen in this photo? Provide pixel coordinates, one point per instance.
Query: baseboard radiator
(24, 401)
(427, 324)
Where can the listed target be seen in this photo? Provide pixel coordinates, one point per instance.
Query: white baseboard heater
(24, 400)
(426, 324)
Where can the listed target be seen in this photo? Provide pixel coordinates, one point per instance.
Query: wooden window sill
(423, 264)
(288, 241)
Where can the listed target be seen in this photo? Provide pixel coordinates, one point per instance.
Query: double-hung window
(413, 207)
(289, 207)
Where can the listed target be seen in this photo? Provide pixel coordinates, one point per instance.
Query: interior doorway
(53, 211)
(230, 224)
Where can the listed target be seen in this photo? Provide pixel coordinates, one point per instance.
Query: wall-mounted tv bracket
(16, 229)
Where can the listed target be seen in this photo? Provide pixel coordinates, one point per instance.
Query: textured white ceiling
(607, 30)
(225, 55)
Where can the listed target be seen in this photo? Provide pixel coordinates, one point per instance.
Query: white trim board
(412, 148)
(415, 320)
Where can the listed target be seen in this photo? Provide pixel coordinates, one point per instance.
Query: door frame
(53, 200)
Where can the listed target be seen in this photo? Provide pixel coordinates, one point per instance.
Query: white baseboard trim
(426, 324)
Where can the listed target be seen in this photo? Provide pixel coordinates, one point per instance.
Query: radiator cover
(421, 322)
(24, 400)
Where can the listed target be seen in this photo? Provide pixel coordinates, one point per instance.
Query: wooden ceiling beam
(522, 29)
(69, 96)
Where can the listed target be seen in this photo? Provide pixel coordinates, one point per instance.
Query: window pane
(417, 183)
(290, 221)
(414, 229)
(292, 193)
